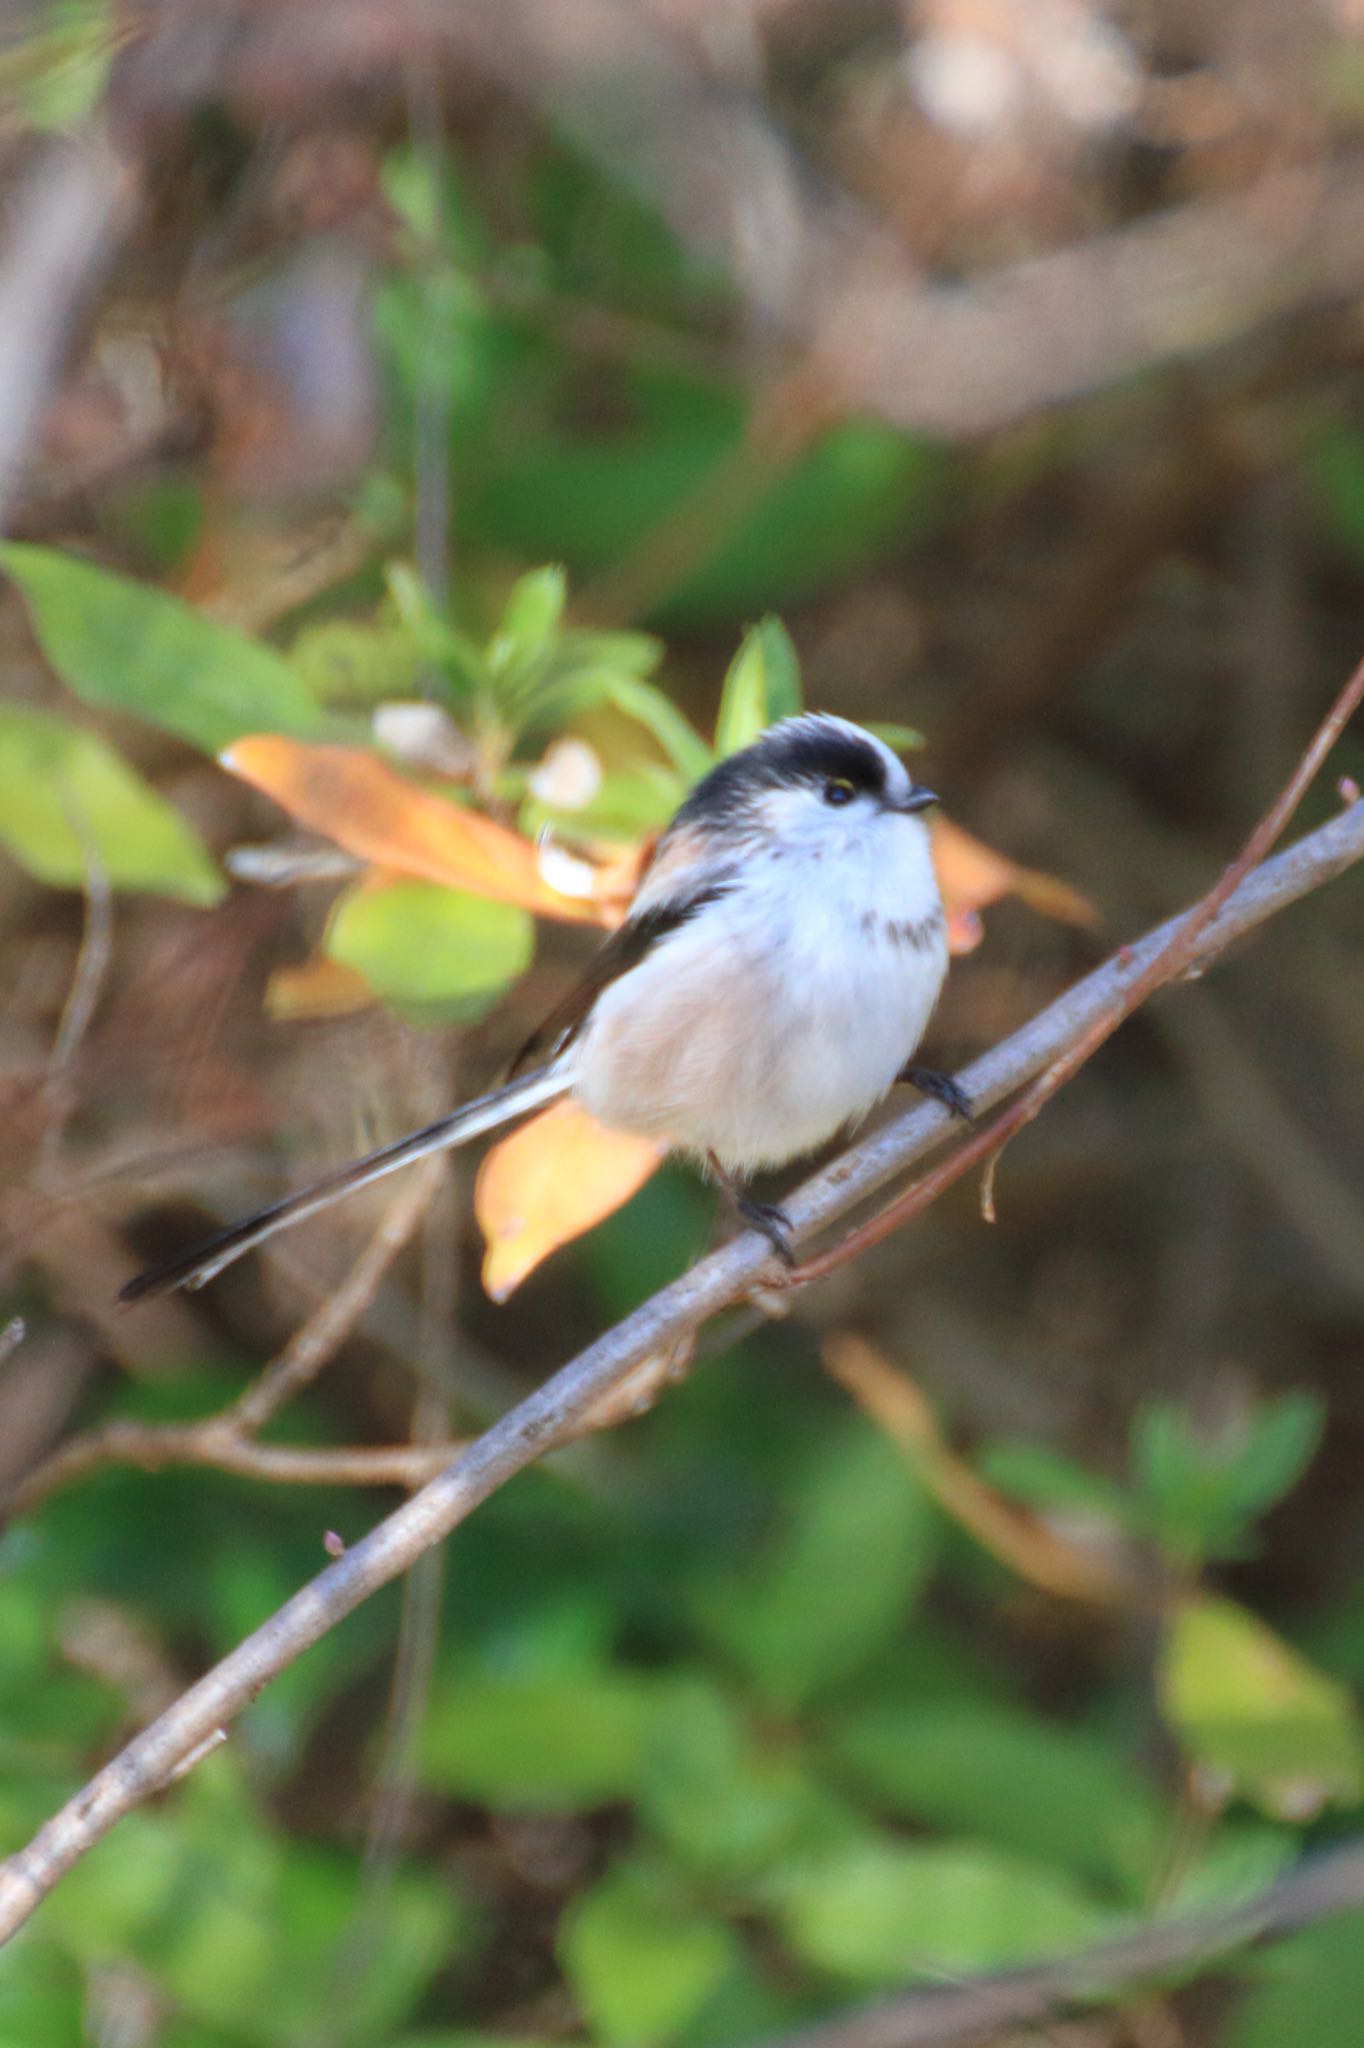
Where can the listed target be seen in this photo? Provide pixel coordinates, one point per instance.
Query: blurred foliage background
(461, 382)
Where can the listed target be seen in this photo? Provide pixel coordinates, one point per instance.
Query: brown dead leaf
(356, 800)
(547, 1183)
(972, 876)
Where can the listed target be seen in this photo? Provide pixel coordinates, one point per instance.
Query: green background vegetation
(718, 1724)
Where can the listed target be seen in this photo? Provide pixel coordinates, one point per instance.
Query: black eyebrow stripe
(806, 750)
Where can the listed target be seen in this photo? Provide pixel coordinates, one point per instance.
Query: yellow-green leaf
(1255, 1718)
(126, 646)
(442, 952)
(67, 801)
(763, 685)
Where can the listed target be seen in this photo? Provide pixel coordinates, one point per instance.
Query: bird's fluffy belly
(760, 1055)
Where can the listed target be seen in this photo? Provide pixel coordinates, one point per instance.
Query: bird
(771, 982)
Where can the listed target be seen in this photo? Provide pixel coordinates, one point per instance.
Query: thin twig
(67, 222)
(92, 965)
(554, 1411)
(154, 1445)
(226, 1440)
(337, 1314)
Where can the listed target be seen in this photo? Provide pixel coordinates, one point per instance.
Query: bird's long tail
(502, 1106)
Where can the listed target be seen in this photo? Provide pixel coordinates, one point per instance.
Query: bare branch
(556, 1410)
(337, 1314)
(68, 221)
(225, 1441)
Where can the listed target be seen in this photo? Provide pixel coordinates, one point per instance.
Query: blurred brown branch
(558, 1410)
(66, 224)
(226, 1441)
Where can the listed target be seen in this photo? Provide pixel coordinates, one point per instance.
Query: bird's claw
(774, 1223)
(941, 1088)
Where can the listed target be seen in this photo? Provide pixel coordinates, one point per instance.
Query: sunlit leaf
(358, 801)
(1255, 1718)
(640, 1956)
(54, 67)
(972, 876)
(762, 685)
(442, 952)
(67, 800)
(552, 1179)
(124, 646)
(530, 621)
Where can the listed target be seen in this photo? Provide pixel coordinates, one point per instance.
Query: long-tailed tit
(781, 958)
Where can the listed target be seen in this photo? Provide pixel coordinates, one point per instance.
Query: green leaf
(659, 715)
(590, 499)
(882, 1912)
(442, 953)
(640, 1957)
(1255, 1718)
(55, 73)
(839, 1586)
(626, 807)
(124, 646)
(558, 1742)
(1008, 1778)
(1201, 1493)
(1044, 1478)
(1336, 466)
(435, 641)
(531, 618)
(1310, 1991)
(763, 685)
(342, 661)
(63, 790)
(728, 1806)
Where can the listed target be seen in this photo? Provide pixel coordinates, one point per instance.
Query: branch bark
(558, 1410)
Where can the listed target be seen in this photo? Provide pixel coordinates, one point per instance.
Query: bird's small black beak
(917, 800)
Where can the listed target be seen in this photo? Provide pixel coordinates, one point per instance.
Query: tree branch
(557, 1410)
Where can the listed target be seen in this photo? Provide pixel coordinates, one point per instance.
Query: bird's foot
(941, 1087)
(774, 1223)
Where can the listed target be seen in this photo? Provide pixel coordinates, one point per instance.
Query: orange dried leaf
(972, 876)
(547, 1183)
(360, 803)
(319, 988)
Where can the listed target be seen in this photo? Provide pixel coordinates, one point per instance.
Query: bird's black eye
(838, 790)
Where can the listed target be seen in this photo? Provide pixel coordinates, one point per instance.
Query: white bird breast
(784, 1010)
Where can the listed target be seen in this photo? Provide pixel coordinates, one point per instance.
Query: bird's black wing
(625, 949)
